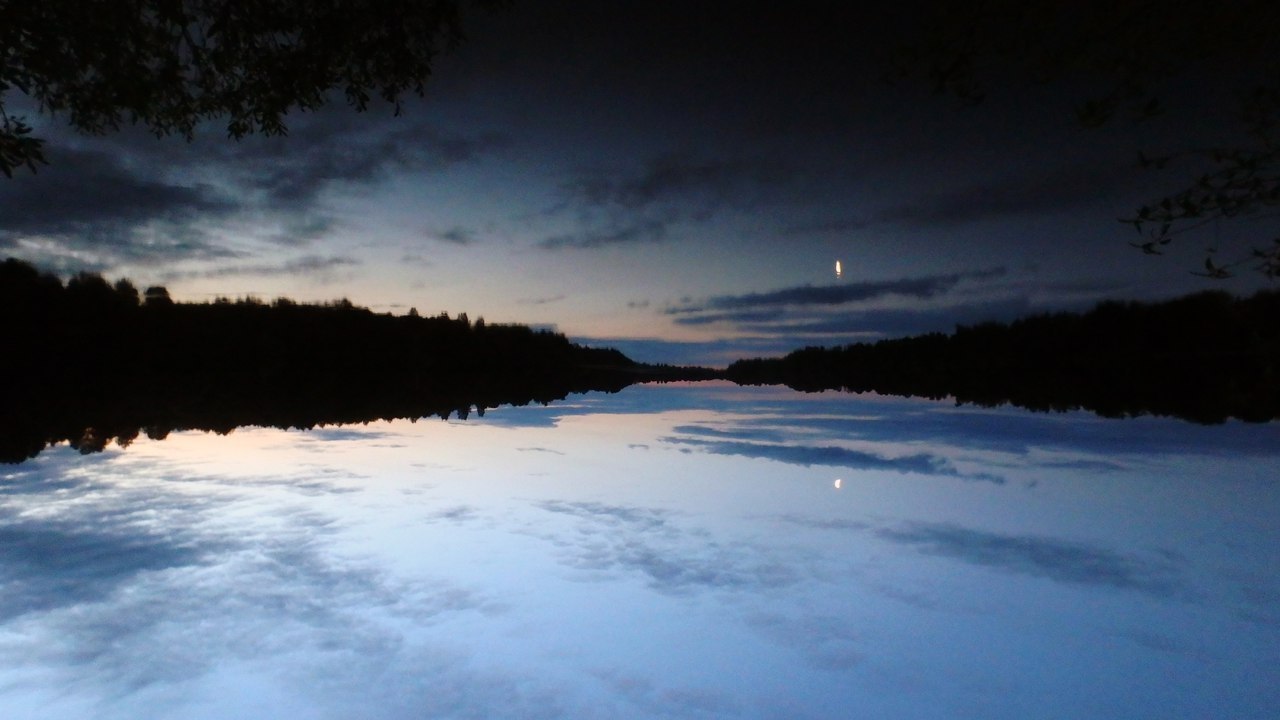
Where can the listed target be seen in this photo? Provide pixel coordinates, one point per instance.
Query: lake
(669, 551)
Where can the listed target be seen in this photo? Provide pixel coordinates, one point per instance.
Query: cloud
(871, 323)
(926, 287)
(90, 209)
(303, 229)
(541, 300)
(675, 177)
(307, 265)
(841, 313)
(331, 148)
(610, 207)
(1057, 560)
(127, 198)
(456, 235)
(616, 234)
(1061, 190)
(1056, 192)
(94, 193)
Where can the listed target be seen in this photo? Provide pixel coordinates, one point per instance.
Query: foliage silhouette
(1140, 60)
(87, 362)
(172, 64)
(1204, 357)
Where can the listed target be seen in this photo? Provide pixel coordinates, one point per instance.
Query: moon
(838, 483)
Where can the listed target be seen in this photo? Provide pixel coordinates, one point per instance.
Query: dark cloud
(456, 235)
(612, 207)
(622, 232)
(98, 194)
(835, 456)
(676, 178)
(128, 198)
(1057, 560)
(303, 229)
(841, 313)
(926, 287)
(873, 323)
(312, 265)
(333, 148)
(90, 209)
(541, 300)
(1057, 191)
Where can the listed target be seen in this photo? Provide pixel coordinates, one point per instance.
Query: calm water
(666, 552)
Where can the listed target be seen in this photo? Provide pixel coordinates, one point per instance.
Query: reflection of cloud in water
(1052, 558)
(642, 695)
(825, 641)
(57, 563)
(835, 456)
(672, 560)
(123, 589)
(457, 514)
(1058, 560)
(761, 434)
(540, 450)
(342, 433)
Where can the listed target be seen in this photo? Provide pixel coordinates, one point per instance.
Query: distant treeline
(1204, 357)
(88, 361)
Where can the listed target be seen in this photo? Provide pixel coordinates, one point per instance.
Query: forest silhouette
(90, 362)
(1204, 358)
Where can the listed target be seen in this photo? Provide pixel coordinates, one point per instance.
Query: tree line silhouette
(1204, 357)
(89, 361)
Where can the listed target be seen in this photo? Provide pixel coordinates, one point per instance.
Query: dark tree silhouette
(1138, 59)
(1204, 357)
(87, 363)
(171, 64)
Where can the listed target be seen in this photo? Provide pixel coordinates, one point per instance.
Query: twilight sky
(673, 179)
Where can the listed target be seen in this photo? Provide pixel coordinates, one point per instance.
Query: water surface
(664, 552)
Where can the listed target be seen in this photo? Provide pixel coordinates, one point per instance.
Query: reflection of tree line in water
(89, 362)
(1204, 358)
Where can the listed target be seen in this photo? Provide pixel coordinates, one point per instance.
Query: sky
(676, 180)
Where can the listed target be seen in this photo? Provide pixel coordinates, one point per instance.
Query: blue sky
(676, 180)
